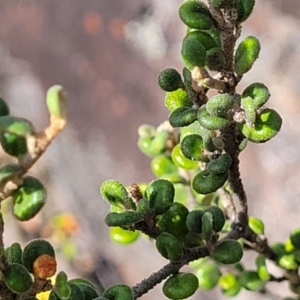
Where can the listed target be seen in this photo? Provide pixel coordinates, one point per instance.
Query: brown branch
(171, 268)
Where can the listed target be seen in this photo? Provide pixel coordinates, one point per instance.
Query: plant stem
(171, 268)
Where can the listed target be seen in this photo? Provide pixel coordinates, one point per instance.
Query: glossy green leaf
(17, 126)
(13, 145)
(256, 225)
(17, 278)
(28, 199)
(246, 54)
(122, 236)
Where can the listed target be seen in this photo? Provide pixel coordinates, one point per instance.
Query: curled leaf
(56, 102)
(266, 126)
(258, 92)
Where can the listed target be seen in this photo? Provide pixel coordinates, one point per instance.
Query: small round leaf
(28, 199)
(180, 286)
(227, 252)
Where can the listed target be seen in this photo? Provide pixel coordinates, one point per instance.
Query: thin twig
(171, 268)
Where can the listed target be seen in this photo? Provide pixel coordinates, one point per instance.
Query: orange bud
(44, 266)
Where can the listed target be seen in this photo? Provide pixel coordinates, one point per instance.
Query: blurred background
(107, 54)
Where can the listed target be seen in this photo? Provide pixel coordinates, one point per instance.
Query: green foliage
(56, 102)
(176, 99)
(180, 286)
(161, 195)
(208, 274)
(229, 284)
(13, 253)
(244, 9)
(246, 54)
(193, 52)
(206, 183)
(118, 292)
(266, 126)
(227, 252)
(195, 14)
(28, 199)
(17, 278)
(169, 246)
(196, 208)
(183, 116)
